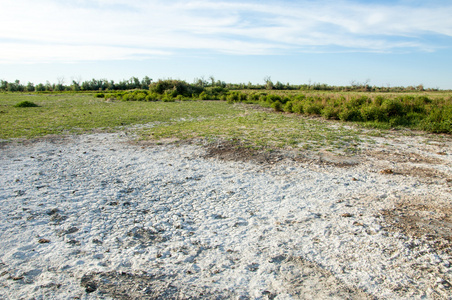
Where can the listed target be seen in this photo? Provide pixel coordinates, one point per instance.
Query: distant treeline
(147, 83)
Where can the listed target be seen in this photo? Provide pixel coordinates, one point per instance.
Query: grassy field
(428, 111)
(80, 113)
(76, 113)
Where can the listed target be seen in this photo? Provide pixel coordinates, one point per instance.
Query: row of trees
(146, 83)
(77, 85)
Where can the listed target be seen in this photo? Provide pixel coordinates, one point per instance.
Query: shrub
(243, 97)
(393, 108)
(26, 104)
(100, 95)
(373, 113)
(297, 107)
(273, 98)
(205, 96)
(285, 100)
(439, 120)
(313, 108)
(125, 97)
(331, 113)
(425, 99)
(288, 107)
(378, 100)
(350, 114)
(152, 97)
(277, 106)
(254, 97)
(399, 121)
(233, 97)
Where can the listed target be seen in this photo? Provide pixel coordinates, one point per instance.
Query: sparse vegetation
(108, 109)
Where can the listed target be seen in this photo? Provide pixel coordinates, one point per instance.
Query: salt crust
(83, 211)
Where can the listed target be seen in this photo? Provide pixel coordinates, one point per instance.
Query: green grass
(262, 130)
(68, 113)
(76, 113)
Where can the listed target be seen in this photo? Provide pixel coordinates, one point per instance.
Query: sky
(337, 42)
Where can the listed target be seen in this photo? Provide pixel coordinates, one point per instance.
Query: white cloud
(51, 30)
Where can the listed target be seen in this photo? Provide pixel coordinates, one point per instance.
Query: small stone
(346, 215)
(74, 242)
(52, 211)
(387, 171)
(16, 278)
(88, 283)
(43, 241)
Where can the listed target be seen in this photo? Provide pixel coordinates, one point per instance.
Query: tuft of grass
(26, 103)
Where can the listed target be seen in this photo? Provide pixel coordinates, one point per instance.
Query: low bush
(331, 113)
(313, 108)
(439, 120)
(288, 107)
(26, 104)
(277, 106)
(352, 114)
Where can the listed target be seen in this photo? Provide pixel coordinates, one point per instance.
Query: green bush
(152, 97)
(313, 108)
(277, 106)
(233, 97)
(378, 100)
(288, 107)
(331, 113)
(297, 107)
(373, 113)
(393, 108)
(273, 98)
(253, 97)
(439, 120)
(26, 104)
(205, 96)
(350, 114)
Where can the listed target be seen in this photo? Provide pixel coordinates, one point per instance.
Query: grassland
(251, 125)
(429, 111)
(69, 113)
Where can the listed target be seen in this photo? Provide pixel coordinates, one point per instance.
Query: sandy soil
(99, 216)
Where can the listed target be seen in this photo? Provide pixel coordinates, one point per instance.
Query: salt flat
(97, 216)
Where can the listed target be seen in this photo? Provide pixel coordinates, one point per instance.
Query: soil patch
(426, 220)
(238, 151)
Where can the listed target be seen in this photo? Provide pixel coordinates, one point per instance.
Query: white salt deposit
(93, 216)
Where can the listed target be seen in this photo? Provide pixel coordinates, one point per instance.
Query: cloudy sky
(390, 43)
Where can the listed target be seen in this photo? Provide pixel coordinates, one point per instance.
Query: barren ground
(101, 216)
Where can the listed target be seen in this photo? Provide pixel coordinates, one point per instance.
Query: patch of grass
(26, 104)
(261, 130)
(69, 113)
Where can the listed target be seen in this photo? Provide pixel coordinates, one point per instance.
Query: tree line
(146, 83)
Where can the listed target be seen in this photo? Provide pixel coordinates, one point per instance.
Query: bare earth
(101, 216)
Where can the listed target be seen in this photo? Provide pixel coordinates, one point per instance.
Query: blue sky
(390, 43)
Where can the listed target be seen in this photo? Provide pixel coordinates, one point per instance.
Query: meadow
(255, 119)
(428, 111)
